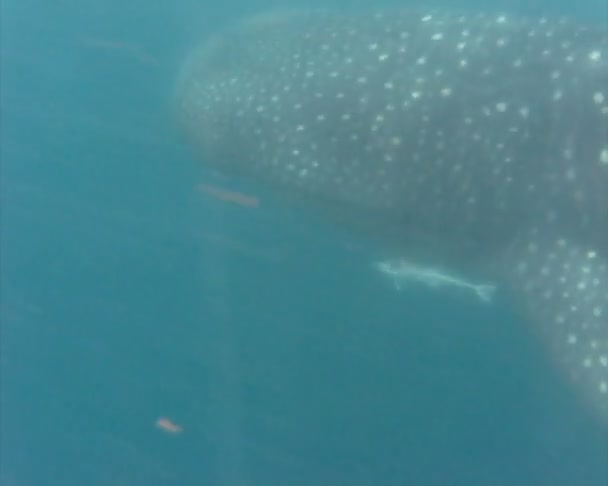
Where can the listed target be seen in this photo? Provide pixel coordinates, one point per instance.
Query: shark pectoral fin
(485, 292)
(563, 286)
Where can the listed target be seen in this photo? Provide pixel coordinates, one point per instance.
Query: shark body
(473, 141)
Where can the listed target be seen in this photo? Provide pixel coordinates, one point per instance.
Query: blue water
(128, 294)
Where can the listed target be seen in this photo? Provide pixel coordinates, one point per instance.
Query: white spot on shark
(598, 97)
(595, 56)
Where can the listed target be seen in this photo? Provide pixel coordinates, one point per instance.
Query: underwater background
(165, 325)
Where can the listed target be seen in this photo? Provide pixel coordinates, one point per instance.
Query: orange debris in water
(167, 425)
(230, 196)
(131, 49)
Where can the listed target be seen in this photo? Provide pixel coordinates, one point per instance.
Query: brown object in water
(230, 196)
(167, 425)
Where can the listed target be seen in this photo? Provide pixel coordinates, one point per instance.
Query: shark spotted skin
(463, 141)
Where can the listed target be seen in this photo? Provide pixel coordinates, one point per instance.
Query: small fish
(167, 425)
(403, 272)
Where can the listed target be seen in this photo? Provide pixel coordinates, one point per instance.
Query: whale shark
(475, 142)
